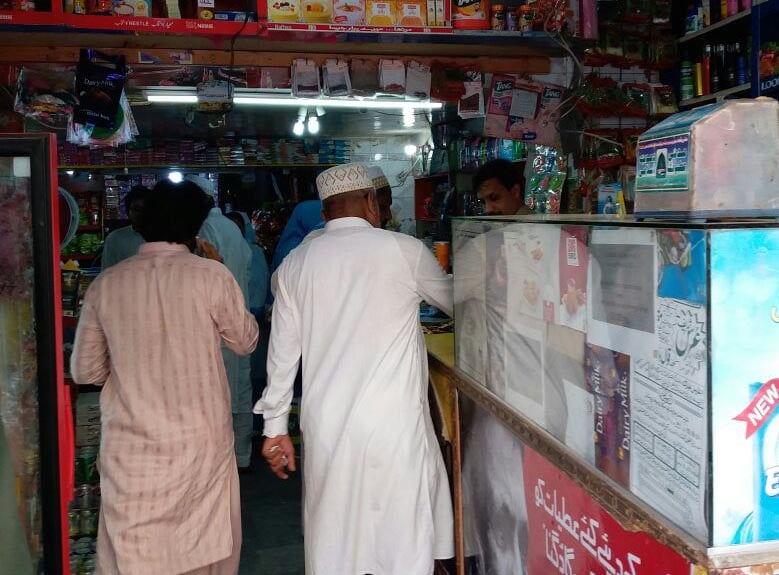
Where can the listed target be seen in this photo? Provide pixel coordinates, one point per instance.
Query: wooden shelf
(337, 28)
(171, 166)
(716, 26)
(716, 96)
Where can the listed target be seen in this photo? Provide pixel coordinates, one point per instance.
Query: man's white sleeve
(433, 285)
(284, 350)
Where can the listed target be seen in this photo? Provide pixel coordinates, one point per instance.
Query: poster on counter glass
(745, 385)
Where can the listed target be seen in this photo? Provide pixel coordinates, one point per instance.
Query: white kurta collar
(341, 223)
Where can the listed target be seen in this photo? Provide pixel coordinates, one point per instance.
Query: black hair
(502, 170)
(136, 193)
(173, 212)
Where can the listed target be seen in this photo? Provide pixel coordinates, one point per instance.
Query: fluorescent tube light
(329, 103)
(172, 98)
(163, 96)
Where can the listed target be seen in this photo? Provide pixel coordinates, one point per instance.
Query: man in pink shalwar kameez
(150, 331)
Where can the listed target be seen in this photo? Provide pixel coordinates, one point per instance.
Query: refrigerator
(36, 431)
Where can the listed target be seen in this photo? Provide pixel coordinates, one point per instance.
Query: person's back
(223, 234)
(348, 302)
(124, 242)
(150, 306)
(150, 332)
(305, 218)
(379, 303)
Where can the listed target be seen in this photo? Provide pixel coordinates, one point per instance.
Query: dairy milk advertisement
(745, 385)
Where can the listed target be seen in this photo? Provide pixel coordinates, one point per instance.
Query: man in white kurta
(219, 231)
(150, 330)
(376, 491)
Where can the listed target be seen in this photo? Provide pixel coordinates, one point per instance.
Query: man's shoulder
(119, 233)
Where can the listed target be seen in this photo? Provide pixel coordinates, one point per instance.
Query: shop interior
(570, 100)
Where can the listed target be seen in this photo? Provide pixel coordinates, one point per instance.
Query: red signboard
(571, 534)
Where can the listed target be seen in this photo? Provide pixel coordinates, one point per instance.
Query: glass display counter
(647, 350)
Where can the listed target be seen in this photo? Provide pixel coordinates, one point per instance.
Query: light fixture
(299, 128)
(69, 172)
(325, 103)
(313, 125)
(176, 177)
(172, 98)
(162, 95)
(410, 150)
(377, 157)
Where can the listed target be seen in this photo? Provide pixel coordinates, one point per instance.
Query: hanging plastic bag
(336, 76)
(418, 80)
(100, 80)
(46, 94)
(365, 78)
(305, 79)
(123, 131)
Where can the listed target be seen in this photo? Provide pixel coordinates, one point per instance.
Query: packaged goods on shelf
(87, 435)
(413, 13)
(381, 12)
(317, 11)
(336, 78)
(88, 409)
(305, 79)
(349, 12)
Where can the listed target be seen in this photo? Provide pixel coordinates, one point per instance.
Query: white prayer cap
(377, 176)
(203, 183)
(343, 179)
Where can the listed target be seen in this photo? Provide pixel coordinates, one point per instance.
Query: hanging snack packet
(122, 132)
(336, 78)
(418, 81)
(471, 104)
(305, 79)
(100, 82)
(46, 95)
(546, 180)
(392, 77)
(365, 78)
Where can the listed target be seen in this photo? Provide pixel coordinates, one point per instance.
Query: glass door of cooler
(31, 391)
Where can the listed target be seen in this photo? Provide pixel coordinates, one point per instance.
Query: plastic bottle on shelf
(730, 66)
(706, 70)
(687, 90)
(512, 15)
(498, 17)
(741, 65)
(692, 19)
(698, 85)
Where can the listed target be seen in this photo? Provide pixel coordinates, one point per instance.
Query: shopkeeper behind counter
(498, 184)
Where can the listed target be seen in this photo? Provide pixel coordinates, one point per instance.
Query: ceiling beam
(60, 48)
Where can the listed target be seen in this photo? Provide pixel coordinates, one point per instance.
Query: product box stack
(85, 506)
(334, 151)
